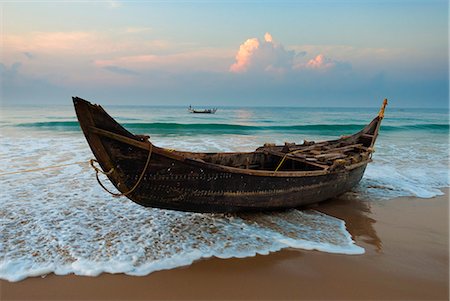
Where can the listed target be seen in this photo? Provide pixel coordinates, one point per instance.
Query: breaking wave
(226, 128)
(62, 222)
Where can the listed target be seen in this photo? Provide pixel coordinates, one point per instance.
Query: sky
(226, 53)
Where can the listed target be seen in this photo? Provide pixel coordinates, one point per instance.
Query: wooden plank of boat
(270, 178)
(330, 156)
(299, 158)
(346, 148)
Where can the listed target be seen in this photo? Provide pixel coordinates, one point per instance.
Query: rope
(284, 158)
(42, 168)
(97, 170)
(281, 163)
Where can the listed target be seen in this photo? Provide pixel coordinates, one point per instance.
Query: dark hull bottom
(296, 192)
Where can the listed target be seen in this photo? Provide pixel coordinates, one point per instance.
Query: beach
(63, 237)
(406, 258)
(141, 140)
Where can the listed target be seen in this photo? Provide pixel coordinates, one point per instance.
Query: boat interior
(308, 156)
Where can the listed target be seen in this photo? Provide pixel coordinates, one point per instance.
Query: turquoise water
(412, 149)
(60, 221)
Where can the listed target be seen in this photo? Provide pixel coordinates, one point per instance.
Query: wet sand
(407, 257)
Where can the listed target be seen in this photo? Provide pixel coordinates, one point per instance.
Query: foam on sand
(61, 221)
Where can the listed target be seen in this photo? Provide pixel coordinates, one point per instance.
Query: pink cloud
(323, 63)
(267, 56)
(48, 41)
(320, 62)
(87, 55)
(210, 60)
(83, 43)
(244, 55)
(268, 37)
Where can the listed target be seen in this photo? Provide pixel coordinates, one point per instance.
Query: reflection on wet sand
(301, 229)
(356, 214)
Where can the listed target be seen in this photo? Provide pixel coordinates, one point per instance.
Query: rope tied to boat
(284, 158)
(42, 168)
(109, 172)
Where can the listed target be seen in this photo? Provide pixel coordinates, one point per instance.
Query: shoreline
(406, 243)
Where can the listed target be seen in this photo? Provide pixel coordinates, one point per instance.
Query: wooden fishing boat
(270, 178)
(204, 111)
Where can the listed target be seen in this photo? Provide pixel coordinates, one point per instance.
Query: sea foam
(415, 165)
(60, 221)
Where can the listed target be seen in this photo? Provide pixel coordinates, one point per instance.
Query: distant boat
(205, 111)
(270, 178)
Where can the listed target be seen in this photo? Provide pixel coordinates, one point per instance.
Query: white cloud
(267, 56)
(263, 56)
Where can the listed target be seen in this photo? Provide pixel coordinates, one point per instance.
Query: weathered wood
(329, 156)
(117, 137)
(345, 148)
(294, 157)
(226, 182)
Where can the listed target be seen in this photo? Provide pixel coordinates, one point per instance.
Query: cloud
(244, 55)
(105, 65)
(301, 53)
(51, 42)
(70, 57)
(11, 72)
(361, 58)
(17, 87)
(29, 55)
(321, 62)
(267, 56)
(76, 44)
(120, 70)
(263, 56)
(207, 59)
(268, 38)
(67, 52)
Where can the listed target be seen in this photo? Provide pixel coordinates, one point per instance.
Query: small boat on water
(272, 177)
(204, 111)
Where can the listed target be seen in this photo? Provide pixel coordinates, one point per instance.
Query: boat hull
(184, 181)
(189, 186)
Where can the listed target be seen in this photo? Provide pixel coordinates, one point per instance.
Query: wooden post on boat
(380, 117)
(381, 113)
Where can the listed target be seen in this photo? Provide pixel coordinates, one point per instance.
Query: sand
(406, 242)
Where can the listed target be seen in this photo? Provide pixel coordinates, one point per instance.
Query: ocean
(60, 221)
